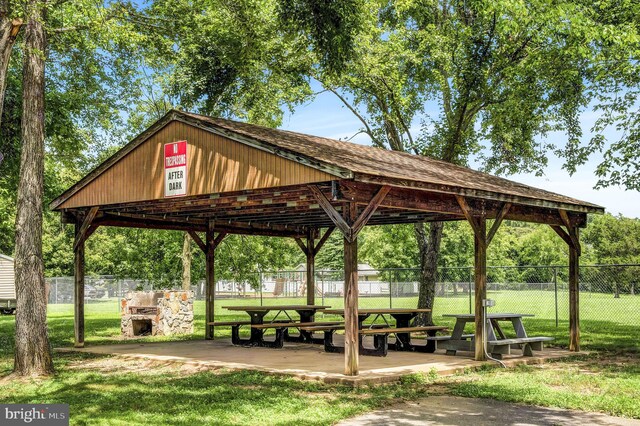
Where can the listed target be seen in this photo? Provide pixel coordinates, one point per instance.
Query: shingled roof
(363, 163)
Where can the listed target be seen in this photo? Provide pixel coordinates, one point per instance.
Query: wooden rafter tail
(496, 224)
(369, 211)
(86, 224)
(196, 239)
(333, 214)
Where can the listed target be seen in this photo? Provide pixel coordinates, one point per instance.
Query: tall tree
(186, 262)
(33, 352)
(444, 78)
(9, 28)
(615, 81)
(85, 68)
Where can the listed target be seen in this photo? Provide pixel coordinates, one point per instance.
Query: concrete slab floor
(306, 361)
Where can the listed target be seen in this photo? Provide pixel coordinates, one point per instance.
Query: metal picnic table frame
(458, 342)
(402, 316)
(257, 314)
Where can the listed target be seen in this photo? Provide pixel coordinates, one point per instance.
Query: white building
(7, 285)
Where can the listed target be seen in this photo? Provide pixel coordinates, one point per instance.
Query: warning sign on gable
(175, 169)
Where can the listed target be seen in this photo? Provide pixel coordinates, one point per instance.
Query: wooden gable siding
(214, 164)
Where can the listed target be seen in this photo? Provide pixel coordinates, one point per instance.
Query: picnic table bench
(281, 327)
(497, 342)
(380, 332)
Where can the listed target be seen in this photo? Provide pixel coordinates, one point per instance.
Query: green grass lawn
(105, 390)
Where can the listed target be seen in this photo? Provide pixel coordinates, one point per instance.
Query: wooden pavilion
(200, 174)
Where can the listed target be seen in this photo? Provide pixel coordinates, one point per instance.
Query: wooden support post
(571, 235)
(210, 283)
(311, 269)
(78, 293)
(574, 292)
(482, 240)
(350, 225)
(480, 286)
(351, 346)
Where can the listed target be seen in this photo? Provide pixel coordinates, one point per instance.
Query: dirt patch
(138, 366)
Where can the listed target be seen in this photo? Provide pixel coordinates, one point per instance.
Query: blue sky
(325, 116)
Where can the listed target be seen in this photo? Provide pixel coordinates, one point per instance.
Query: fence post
(396, 282)
(555, 290)
(390, 298)
(469, 287)
(55, 282)
(261, 302)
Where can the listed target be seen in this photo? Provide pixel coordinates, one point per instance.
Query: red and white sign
(175, 169)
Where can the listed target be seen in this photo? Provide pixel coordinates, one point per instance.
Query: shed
(7, 285)
(214, 176)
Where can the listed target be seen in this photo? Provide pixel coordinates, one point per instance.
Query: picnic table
(498, 343)
(258, 325)
(402, 329)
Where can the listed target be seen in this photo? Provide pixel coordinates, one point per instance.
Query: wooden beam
(400, 198)
(333, 214)
(304, 248)
(571, 230)
(311, 268)
(470, 218)
(408, 199)
(574, 296)
(149, 223)
(496, 224)
(480, 262)
(90, 231)
(200, 226)
(323, 239)
(351, 338)
(196, 239)
(78, 289)
(258, 229)
(218, 239)
(210, 283)
(86, 223)
(369, 211)
(563, 234)
(481, 194)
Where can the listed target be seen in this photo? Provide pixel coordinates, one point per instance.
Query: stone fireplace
(157, 313)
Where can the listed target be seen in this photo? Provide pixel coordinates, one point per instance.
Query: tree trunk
(429, 248)
(186, 262)
(33, 353)
(9, 29)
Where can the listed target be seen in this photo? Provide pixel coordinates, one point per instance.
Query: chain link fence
(607, 292)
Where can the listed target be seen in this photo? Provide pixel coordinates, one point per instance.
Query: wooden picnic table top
(490, 316)
(276, 308)
(381, 311)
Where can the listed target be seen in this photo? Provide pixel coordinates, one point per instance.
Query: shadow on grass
(202, 398)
